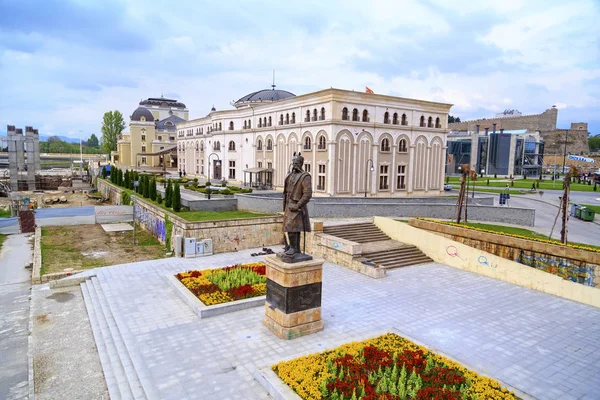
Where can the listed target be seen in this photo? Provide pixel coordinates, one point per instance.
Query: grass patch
(2, 239)
(498, 191)
(4, 213)
(596, 209)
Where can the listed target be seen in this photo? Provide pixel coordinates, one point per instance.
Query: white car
(447, 187)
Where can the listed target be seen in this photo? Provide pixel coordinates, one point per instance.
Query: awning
(257, 170)
(158, 153)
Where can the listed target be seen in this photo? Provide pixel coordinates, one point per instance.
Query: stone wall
(554, 141)
(545, 121)
(573, 264)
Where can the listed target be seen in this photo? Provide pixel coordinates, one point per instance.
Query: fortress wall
(545, 121)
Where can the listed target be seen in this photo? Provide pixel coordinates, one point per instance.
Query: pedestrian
(180, 174)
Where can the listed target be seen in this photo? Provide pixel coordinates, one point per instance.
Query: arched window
(201, 146)
(245, 125)
(293, 118)
(231, 146)
(307, 119)
(217, 146)
(259, 145)
(395, 119)
(386, 118)
(269, 144)
(249, 124)
(281, 119)
(287, 118)
(260, 122)
(402, 146)
(355, 115)
(322, 143)
(270, 121)
(404, 121)
(437, 123)
(430, 122)
(385, 144)
(231, 125)
(315, 114)
(365, 116)
(220, 126)
(322, 114)
(422, 122)
(307, 143)
(345, 114)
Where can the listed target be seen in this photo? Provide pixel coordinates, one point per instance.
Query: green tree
(112, 126)
(146, 186)
(176, 198)
(594, 142)
(153, 189)
(93, 141)
(104, 173)
(169, 195)
(126, 179)
(452, 118)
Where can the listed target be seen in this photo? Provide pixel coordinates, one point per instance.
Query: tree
(176, 198)
(153, 189)
(451, 119)
(594, 142)
(159, 198)
(93, 141)
(112, 126)
(169, 195)
(104, 173)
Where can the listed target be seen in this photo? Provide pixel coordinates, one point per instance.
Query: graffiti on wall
(568, 269)
(150, 222)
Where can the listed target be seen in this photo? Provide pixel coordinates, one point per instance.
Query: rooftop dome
(266, 95)
(162, 102)
(142, 112)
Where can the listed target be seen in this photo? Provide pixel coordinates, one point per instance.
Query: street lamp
(367, 175)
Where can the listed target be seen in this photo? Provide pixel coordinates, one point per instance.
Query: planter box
(204, 311)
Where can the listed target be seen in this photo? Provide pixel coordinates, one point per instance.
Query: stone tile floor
(545, 346)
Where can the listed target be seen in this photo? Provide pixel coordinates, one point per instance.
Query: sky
(64, 63)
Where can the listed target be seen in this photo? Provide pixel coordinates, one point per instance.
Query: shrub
(169, 195)
(176, 198)
(104, 173)
(225, 192)
(153, 188)
(125, 198)
(512, 183)
(488, 182)
(159, 198)
(537, 185)
(196, 180)
(495, 176)
(184, 180)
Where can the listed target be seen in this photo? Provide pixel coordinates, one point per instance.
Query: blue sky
(64, 63)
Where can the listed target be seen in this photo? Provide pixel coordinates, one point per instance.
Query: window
(307, 119)
(437, 123)
(143, 137)
(269, 165)
(307, 143)
(201, 146)
(307, 168)
(430, 122)
(259, 164)
(293, 118)
(260, 122)
(160, 138)
(322, 143)
(220, 127)
(281, 119)
(365, 116)
(217, 146)
(269, 145)
(231, 146)
(231, 125)
(314, 115)
(401, 179)
(143, 149)
(395, 119)
(383, 177)
(345, 114)
(245, 125)
(171, 137)
(422, 122)
(322, 117)
(321, 177)
(142, 118)
(168, 123)
(259, 145)
(287, 118)
(143, 160)
(231, 169)
(249, 124)
(355, 115)
(386, 118)
(385, 145)
(402, 146)
(404, 121)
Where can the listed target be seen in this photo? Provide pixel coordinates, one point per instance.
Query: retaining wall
(456, 254)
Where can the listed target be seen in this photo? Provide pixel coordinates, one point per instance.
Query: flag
(368, 90)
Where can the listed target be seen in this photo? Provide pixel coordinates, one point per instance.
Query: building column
(315, 169)
(411, 168)
(375, 172)
(393, 171)
(427, 167)
(330, 171)
(443, 169)
(354, 167)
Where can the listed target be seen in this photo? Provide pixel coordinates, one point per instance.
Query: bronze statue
(296, 195)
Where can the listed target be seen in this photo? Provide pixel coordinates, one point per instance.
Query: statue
(296, 195)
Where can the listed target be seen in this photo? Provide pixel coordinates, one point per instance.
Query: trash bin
(573, 208)
(578, 211)
(587, 214)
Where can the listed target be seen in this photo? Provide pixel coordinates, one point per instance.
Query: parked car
(447, 187)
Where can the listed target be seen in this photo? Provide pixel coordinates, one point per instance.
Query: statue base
(293, 305)
(297, 257)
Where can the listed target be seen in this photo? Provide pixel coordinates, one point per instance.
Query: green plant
(488, 182)
(168, 232)
(159, 198)
(495, 176)
(153, 189)
(537, 185)
(176, 198)
(169, 195)
(512, 183)
(125, 198)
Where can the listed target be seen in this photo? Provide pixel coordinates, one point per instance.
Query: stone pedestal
(293, 306)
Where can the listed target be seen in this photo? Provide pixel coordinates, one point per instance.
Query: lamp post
(80, 156)
(565, 153)
(367, 175)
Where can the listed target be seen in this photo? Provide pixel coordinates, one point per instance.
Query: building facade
(504, 153)
(353, 144)
(152, 130)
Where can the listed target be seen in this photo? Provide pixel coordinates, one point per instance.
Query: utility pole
(565, 152)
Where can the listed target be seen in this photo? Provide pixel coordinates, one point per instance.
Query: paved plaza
(543, 345)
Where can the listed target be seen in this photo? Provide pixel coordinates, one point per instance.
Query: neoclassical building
(353, 143)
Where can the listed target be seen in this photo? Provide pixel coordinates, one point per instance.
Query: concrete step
(359, 233)
(120, 387)
(109, 375)
(134, 388)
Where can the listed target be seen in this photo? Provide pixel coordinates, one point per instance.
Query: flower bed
(382, 368)
(223, 285)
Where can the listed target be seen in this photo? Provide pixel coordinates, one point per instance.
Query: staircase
(377, 247)
(124, 370)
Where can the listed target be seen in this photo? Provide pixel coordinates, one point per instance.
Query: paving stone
(509, 332)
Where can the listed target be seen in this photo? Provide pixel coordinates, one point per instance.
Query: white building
(351, 142)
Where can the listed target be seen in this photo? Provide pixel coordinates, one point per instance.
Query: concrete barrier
(458, 255)
(112, 214)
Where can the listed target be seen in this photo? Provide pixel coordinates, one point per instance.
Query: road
(15, 291)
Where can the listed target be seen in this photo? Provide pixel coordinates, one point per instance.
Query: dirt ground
(89, 246)
(76, 199)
